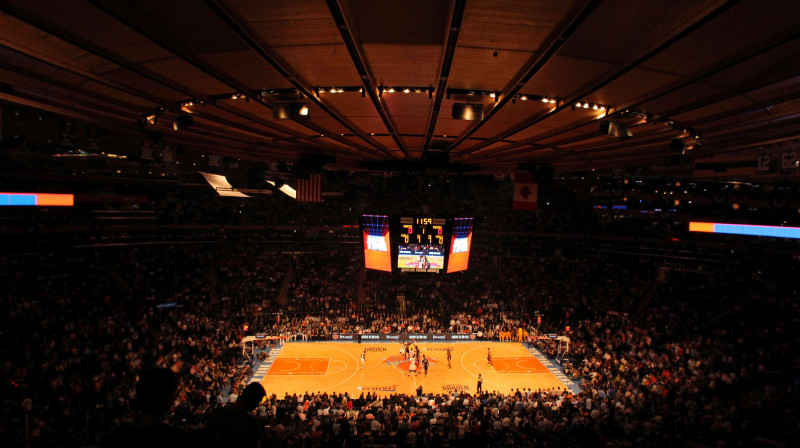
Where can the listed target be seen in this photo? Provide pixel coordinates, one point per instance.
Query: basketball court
(336, 367)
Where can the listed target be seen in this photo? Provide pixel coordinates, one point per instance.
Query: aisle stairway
(555, 369)
(262, 367)
(283, 293)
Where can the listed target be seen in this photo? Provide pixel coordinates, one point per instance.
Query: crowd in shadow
(127, 331)
(667, 349)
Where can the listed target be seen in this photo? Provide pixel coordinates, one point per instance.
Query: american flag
(310, 189)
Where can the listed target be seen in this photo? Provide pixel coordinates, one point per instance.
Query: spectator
(154, 395)
(235, 425)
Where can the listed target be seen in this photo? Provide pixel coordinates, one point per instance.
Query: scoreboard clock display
(421, 244)
(416, 243)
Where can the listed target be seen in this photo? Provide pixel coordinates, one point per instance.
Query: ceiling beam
(782, 129)
(771, 75)
(679, 33)
(761, 80)
(88, 46)
(131, 109)
(190, 57)
(368, 81)
(71, 90)
(199, 135)
(548, 49)
(235, 25)
(444, 71)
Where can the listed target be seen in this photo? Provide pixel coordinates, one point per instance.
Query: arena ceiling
(382, 81)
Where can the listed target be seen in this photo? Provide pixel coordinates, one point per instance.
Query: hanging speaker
(677, 146)
(615, 129)
(182, 122)
(294, 111)
(465, 111)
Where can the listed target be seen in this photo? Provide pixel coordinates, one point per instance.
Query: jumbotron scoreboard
(416, 243)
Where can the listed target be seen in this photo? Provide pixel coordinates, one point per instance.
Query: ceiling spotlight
(406, 90)
(152, 119)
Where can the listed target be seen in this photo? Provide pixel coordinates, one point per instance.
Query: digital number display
(419, 234)
(421, 247)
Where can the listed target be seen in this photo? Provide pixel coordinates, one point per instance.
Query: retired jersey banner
(525, 192)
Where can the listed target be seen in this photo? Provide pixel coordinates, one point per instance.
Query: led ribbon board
(37, 199)
(745, 229)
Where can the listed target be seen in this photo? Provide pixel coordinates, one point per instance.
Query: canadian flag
(525, 192)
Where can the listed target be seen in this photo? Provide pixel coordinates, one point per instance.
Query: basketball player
(449, 357)
(489, 355)
(363, 358)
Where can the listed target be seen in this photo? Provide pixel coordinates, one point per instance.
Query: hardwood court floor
(336, 367)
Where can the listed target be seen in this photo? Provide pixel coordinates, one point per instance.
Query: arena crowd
(666, 353)
(676, 343)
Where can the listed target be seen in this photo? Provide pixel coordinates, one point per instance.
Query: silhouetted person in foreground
(154, 394)
(235, 425)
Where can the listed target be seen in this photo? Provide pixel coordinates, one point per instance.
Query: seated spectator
(155, 392)
(235, 425)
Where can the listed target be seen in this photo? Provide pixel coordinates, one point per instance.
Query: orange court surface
(336, 367)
